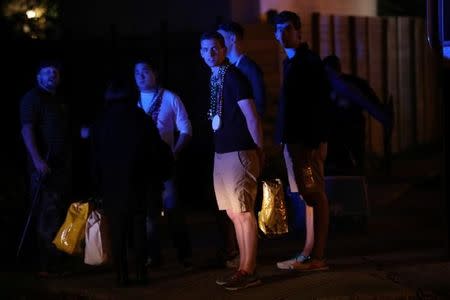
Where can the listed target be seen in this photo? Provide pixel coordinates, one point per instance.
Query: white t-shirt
(172, 115)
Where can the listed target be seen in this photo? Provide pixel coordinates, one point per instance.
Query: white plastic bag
(96, 251)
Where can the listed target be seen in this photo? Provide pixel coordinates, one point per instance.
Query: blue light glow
(446, 52)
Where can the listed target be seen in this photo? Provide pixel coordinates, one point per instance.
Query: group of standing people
(302, 129)
(135, 150)
(134, 154)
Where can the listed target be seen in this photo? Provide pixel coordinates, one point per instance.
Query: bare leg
(309, 219)
(321, 220)
(239, 236)
(246, 234)
(309, 222)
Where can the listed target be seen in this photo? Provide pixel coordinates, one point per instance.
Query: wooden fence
(390, 52)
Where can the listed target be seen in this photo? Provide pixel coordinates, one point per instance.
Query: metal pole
(33, 208)
(30, 214)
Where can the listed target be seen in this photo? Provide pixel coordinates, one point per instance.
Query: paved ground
(399, 255)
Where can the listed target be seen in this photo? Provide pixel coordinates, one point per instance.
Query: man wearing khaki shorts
(303, 120)
(237, 161)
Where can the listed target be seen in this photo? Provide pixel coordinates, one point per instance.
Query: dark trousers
(124, 228)
(49, 211)
(176, 222)
(177, 230)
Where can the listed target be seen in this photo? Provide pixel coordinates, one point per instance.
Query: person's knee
(312, 199)
(247, 218)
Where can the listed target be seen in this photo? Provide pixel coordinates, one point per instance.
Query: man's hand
(41, 166)
(261, 157)
(85, 132)
(30, 142)
(176, 155)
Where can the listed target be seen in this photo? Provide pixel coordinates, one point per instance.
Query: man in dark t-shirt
(233, 34)
(44, 119)
(237, 160)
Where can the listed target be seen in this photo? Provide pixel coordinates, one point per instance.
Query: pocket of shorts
(244, 159)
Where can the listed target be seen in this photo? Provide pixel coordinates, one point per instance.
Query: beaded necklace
(216, 97)
(155, 107)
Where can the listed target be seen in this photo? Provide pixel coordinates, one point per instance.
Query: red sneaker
(310, 265)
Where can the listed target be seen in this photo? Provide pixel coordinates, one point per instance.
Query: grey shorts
(235, 180)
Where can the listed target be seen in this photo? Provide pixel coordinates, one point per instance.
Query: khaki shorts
(235, 180)
(305, 168)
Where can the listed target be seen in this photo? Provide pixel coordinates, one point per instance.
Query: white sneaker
(287, 264)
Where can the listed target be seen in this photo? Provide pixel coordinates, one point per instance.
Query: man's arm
(354, 93)
(183, 125)
(30, 142)
(259, 90)
(253, 122)
(182, 142)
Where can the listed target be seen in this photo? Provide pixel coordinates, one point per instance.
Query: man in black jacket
(128, 154)
(302, 128)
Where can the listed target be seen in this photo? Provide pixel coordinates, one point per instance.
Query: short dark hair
(150, 63)
(45, 63)
(333, 62)
(289, 16)
(232, 27)
(213, 35)
(117, 90)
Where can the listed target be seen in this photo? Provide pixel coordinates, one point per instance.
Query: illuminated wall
(143, 17)
(246, 12)
(335, 7)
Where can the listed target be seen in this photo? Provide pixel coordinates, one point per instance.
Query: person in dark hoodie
(128, 154)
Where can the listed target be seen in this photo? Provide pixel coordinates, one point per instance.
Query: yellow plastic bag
(272, 219)
(71, 234)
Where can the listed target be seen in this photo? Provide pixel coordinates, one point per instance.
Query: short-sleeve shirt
(255, 76)
(234, 135)
(172, 116)
(49, 116)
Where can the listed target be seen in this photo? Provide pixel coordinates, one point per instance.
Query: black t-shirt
(49, 116)
(234, 135)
